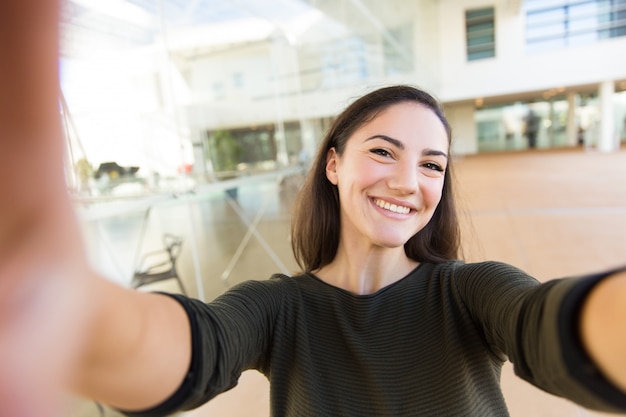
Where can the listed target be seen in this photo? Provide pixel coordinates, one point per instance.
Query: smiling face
(390, 176)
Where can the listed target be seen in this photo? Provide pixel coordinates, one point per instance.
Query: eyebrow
(398, 144)
(434, 152)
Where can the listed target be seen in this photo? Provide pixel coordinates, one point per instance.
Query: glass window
(480, 33)
(523, 125)
(552, 24)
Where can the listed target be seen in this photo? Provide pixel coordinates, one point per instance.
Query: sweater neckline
(375, 294)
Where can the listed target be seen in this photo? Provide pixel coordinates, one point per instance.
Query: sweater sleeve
(536, 326)
(229, 335)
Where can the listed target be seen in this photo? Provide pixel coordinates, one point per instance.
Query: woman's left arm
(603, 327)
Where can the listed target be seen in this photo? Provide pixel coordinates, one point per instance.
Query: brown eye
(381, 152)
(433, 166)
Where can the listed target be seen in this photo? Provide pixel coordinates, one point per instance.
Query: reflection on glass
(148, 84)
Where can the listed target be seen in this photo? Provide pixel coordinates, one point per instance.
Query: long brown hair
(315, 226)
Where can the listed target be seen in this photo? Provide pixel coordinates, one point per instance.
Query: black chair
(163, 270)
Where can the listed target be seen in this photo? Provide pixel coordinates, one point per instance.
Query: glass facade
(561, 23)
(508, 127)
(505, 127)
(155, 90)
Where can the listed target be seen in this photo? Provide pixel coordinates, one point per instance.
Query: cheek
(360, 174)
(369, 174)
(433, 191)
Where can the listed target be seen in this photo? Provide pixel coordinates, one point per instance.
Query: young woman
(383, 320)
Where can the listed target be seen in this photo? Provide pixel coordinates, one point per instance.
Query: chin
(392, 243)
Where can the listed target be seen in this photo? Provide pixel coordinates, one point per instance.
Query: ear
(331, 165)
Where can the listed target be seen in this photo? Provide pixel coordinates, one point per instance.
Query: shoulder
(275, 288)
(248, 301)
(488, 273)
(484, 268)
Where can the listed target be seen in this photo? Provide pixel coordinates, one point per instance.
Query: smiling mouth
(392, 207)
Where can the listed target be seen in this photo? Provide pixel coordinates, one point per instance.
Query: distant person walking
(533, 122)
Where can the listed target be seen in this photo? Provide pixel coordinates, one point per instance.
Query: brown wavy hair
(315, 225)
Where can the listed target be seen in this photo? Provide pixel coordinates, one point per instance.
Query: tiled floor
(551, 213)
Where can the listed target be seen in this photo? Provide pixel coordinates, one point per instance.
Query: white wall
(464, 136)
(513, 69)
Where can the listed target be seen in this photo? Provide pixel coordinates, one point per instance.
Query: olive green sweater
(431, 344)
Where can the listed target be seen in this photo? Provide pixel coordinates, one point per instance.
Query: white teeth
(392, 207)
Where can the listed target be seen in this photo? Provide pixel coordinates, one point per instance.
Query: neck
(366, 272)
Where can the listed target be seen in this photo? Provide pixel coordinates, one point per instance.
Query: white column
(464, 132)
(572, 127)
(606, 139)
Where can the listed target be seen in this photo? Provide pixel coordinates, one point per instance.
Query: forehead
(410, 122)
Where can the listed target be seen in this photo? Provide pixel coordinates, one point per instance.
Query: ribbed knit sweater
(431, 344)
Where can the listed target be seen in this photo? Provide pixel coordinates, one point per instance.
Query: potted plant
(226, 154)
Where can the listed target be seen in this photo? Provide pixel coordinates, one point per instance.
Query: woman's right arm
(137, 350)
(62, 326)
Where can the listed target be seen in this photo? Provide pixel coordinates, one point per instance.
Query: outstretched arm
(603, 327)
(60, 324)
(137, 351)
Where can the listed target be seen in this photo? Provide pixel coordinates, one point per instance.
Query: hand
(602, 327)
(43, 306)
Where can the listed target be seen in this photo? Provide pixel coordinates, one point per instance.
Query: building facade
(511, 74)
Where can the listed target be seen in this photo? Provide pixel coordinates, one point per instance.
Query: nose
(404, 178)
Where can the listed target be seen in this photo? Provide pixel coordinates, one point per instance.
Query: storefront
(511, 126)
